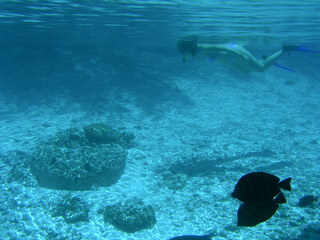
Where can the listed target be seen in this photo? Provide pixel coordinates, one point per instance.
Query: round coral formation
(131, 216)
(69, 162)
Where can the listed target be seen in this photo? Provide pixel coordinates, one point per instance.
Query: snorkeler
(233, 54)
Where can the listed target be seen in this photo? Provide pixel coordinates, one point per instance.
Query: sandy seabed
(225, 117)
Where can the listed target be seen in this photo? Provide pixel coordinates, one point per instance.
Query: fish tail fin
(280, 198)
(285, 184)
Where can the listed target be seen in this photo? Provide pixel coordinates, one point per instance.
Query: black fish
(251, 214)
(259, 187)
(307, 200)
(192, 237)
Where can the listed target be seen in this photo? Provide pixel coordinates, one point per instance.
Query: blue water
(71, 63)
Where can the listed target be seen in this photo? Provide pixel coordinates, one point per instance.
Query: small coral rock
(175, 181)
(72, 209)
(131, 216)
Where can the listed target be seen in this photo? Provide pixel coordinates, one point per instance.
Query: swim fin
(283, 67)
(290, 48)
(279, 65)
(306, 49)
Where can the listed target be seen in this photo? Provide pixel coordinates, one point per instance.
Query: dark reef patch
(72, 161)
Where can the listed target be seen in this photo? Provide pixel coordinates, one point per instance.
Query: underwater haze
(109, 132)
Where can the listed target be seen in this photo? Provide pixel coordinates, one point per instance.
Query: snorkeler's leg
(272, 59)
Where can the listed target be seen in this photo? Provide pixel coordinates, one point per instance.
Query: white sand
(275, 110)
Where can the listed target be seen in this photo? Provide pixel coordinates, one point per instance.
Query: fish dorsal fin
(280, 198)
(285, 184)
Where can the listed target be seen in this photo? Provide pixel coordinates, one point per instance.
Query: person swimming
(233, 54)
